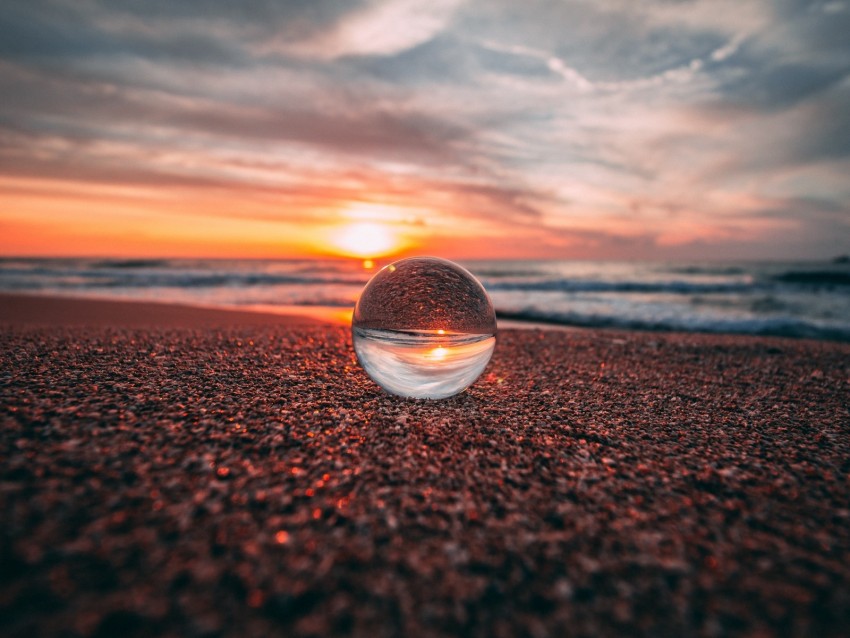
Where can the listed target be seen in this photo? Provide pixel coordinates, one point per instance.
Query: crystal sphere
(424, 328)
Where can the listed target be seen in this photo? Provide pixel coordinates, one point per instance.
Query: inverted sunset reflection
(411, 365)
(437, 354)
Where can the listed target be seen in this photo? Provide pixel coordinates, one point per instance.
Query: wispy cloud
(379, 28)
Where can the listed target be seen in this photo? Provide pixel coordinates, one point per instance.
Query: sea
(790, 299)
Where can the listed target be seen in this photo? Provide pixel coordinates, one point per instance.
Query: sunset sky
(610, 129)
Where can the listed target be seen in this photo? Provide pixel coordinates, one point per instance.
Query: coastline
(201, 474)
(25, 309)
(58, 310)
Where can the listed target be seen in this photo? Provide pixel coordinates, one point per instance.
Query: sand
(35, 310)
(249, 480)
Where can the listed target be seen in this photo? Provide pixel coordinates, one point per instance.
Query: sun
(365, 240)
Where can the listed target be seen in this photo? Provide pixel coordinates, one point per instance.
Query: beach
(178, 471)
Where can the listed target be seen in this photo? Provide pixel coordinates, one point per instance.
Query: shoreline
(36, 309)
(59, 310)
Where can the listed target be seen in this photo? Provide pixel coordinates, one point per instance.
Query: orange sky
(66, 218)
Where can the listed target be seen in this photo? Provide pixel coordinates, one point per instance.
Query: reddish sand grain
(252, 481)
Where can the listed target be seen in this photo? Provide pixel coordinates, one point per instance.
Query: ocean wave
(496, 273)
(574, 285)
(766, 326)
(724, 271)
(800, 299)
(86, 279)
(819, 278)
(131, 263)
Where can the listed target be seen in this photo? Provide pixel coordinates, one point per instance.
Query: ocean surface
(798, 299)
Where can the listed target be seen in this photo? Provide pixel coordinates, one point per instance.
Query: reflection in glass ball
(424, 328)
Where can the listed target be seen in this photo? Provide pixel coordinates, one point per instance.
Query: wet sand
(36, 310)
(232, 479)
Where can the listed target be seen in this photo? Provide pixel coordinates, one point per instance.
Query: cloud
(97, 109)
(377, 29)
(578, 125)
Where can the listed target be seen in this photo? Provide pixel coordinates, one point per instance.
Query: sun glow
(437, 354)
(366, 240)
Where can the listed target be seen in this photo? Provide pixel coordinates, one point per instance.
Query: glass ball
(424, 328)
